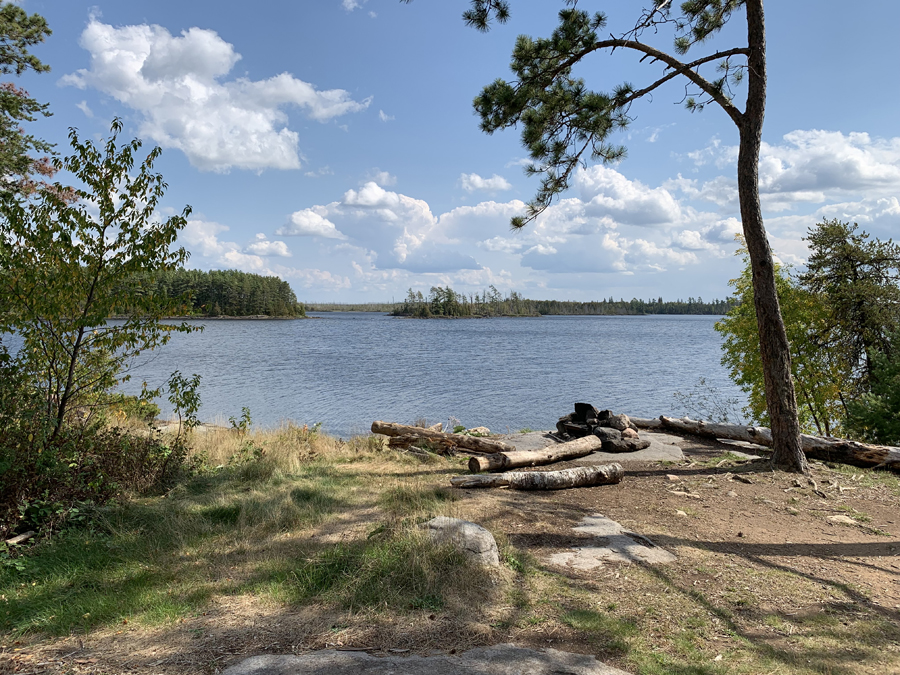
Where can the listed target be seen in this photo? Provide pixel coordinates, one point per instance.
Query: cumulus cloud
(809, 166)
(265, 247)
(177, 85)
(471, 182)
(608, 194)
(309, 223)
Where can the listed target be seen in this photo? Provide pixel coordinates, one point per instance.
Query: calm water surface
(348, 369)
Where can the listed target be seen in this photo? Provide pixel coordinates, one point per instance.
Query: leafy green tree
(564, 123)
(20, 167)
(875, 416)
(859, 279)
(68, 266)
(819, 377)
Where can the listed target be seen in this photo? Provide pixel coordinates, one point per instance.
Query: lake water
(348, 369)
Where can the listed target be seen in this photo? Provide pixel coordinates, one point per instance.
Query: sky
(333, 143)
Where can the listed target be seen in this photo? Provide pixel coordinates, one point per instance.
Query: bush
(46, 479)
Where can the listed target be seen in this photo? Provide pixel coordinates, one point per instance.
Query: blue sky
(333, 143)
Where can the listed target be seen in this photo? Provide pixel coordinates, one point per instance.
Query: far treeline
(445, 302)
(229, 293)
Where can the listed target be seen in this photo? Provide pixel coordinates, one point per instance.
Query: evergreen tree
(22, 158)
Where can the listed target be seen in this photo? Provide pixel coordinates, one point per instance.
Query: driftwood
(837, 450)
(470, 443)
(582, 476)
(560, 452)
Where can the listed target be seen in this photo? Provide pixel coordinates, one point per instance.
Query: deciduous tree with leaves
(68, 266)
(564, 124)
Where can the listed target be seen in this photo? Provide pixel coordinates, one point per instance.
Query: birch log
(582, 476)
(470, 443)
(837, 450)
(501, 461)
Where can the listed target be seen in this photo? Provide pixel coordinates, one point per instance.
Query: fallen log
(582, 476)
(501, 461)
(838, 450)
(470, 443)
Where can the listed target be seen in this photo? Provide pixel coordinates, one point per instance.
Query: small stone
(672, 477)
(845, 520)
(625, 445)
(793, 511)
(478, 431)
(680, 513)
(629, 433)
(731, 493)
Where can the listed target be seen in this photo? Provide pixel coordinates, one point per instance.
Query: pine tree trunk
(781, 402)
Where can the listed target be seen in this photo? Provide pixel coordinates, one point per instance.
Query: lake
(348, 369)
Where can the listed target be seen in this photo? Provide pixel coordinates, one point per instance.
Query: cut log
(582, 476)
(441, 447)
(470, 443)
(838, 450)
(560, 452)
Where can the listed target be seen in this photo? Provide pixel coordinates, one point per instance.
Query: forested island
(445, 302)
(229, 293)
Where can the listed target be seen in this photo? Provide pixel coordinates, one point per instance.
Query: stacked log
(839, 450)
(408, 435)
(582, 476)
(501, 461)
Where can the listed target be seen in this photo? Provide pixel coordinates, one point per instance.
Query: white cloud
(384, 117)
(264, 247)
(83, 107)
(470, 182)
(607, 193)
(350, 5)
(176, 83)
(382, 178)
(309, 223)
(809, 166)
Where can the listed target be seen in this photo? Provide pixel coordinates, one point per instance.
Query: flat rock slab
(613, 544)
(663, 448)
(499, 660)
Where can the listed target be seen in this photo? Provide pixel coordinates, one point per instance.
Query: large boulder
(620, 422)
(470, 538)
(607, 433)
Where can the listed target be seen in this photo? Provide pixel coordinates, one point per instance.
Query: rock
(503, 659)
(844, 520)
(561, 424)
(624, 445)
(629, 433)
(679, 512)
(607, 434)
(604, 415)
(620, 422)
(731, 493)
(436, 427)
(472, 539)
(672, 477)
(478, 431)
(584, 411)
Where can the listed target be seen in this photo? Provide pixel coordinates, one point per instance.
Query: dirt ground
(765, 574)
